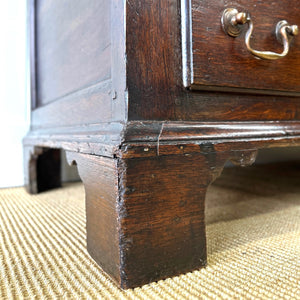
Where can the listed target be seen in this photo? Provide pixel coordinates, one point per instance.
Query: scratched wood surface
(145, 216)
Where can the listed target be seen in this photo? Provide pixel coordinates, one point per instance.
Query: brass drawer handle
(233, 21)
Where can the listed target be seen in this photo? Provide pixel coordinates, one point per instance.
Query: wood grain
(153, 53)
(105, 139)
(157, 93)
(97, 139)
(222, 61)
(110, 92)
(90, 105)
(99, 175)
(145, 217)
(217, 106)
(162, 217)
(145, 139)
(166, 132)
(73, 46)
(145, 205)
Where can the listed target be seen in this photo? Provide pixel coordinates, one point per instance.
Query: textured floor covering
(253, 231)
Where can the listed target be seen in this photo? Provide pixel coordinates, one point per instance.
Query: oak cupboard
(150, 99)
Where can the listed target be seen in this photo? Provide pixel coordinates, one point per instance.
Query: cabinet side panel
(73, 46)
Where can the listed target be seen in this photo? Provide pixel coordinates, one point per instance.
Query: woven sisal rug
(253, 232)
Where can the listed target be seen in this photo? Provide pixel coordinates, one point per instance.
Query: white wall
(14, 104)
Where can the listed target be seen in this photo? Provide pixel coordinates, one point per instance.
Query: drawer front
(216, 61)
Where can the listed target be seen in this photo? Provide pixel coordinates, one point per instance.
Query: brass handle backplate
(233, 22)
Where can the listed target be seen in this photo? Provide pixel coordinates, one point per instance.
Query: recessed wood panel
(73, 46)
(214, 60)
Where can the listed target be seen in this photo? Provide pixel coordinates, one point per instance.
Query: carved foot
(145, 216)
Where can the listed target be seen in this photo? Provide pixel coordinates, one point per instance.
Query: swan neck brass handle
(233, 22)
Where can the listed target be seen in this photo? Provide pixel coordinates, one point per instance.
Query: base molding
(106, 139)
(145, 200)
(169, 131)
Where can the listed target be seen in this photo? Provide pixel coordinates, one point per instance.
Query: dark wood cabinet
(150, 99)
